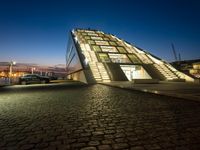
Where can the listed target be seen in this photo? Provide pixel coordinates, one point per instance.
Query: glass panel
(92, 34)
(101, 42)
(109, 49)
(113, 43)
(79, 30)
(96, 38)
(157, 61)
(84, 33)
(87, 37)
(119, 58)
(120, 43)
(144, 58)
(96, 48)
(104, 57)
(89, 31)
(113, 38)
(107, 39)
(91, 42)
(138, 50)
(131, 50)
(121, 49)
(101, 35)
(134, 58)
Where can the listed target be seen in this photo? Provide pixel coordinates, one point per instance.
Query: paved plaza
(95, 117)
(183, 90)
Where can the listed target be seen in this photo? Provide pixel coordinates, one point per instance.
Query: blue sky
(36, 31)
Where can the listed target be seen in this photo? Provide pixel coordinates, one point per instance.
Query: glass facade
(94, 49)
(73, 63)
(119, 58)
(115, 50)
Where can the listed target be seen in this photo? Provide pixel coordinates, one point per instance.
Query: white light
(86, 61)
(76, 39)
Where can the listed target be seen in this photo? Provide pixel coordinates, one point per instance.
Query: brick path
(96, 117)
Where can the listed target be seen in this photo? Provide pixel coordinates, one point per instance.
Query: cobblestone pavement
(184, 90)
(95, 117)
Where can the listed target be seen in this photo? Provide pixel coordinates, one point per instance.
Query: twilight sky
(36, 31)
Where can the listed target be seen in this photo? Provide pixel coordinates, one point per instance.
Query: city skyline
(37, 31)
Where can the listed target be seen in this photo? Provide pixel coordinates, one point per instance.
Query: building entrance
(134, 72)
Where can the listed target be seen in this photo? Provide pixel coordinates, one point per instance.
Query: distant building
(93, 56)
(190, 67)
(25, 68)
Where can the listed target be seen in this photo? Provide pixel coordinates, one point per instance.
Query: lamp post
(10, 70)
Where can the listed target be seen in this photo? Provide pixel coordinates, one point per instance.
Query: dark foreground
(75, 116)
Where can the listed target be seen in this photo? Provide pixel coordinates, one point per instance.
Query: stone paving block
(27, 146)
(104, 147)
(77, 145)
(41, 145)
(96, 117)
(94, 143)
(120, 146)
(85, 134)
(137, 148)
(63, 147)
(109, 141)
(83, 139)
(89, 148)
(97, 133)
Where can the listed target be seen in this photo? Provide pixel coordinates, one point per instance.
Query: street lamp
(10, 70)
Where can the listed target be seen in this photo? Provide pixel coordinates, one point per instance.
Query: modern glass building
(93, 56)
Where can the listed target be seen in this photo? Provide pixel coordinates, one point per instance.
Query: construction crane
(179, 56)
(174, 52)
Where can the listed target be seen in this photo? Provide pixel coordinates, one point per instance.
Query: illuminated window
(129, 50)
(119, 43)
(87, 37)
(96, 48)
(77, 33)
(138, 50)
(96, 38)
(102, 43)
(134, 58)
(108, 49)
(88, 31)
(127, 44)
(80, 30)
(119, 58)
(144, 58)
(101, 35)
(113, 43)
(92, 34)
(91, 42)
(113, 38)
(84, 33)
(104, 57)
(106, 39)
(157, 61)
(121, 49)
